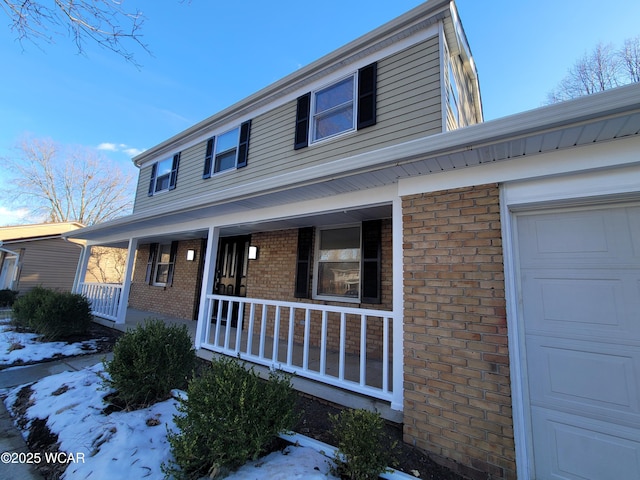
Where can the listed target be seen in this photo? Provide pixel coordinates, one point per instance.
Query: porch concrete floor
(137, 317)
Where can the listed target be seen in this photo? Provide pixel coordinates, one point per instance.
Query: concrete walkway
(11, 440)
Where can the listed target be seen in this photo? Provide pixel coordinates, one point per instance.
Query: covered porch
(347, 349)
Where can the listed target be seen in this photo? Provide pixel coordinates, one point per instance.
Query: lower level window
(163, 265)
(338, 264)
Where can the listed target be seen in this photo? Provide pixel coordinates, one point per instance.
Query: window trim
(314, 115)
(173, 175)
(241, 150)
(316, 266)
(153, 263)
(364, 107)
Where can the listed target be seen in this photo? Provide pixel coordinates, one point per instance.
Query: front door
(231, 269)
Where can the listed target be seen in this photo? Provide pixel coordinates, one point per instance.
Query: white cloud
(133, 151)
(110, 147)
(121, 148)
(19, 216)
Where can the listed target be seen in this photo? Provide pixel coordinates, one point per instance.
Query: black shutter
(367, 81)
(243, 145)
(303, 265)
(153, 251)
(172, 262)
(371, 261)
(152, 182)
(302, 121)
(174, 171)
(208, 158)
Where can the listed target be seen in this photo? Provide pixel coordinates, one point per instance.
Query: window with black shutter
(303, 264)
(164, 175)
(346, 105)
(227, 150)
(371, 261)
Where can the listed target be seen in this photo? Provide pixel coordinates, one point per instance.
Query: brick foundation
(457, 399)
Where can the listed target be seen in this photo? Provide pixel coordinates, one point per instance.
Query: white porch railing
(103, 297)
(350, 348)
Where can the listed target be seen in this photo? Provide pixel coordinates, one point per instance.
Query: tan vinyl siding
(409, 107)
(50, 263)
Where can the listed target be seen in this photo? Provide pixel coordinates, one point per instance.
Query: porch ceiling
(598, 118)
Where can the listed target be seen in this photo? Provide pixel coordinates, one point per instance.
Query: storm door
(231, 270)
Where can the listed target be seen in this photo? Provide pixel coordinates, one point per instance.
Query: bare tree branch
(630, 58)
(105, 22)
(65, 185)
(600, 70)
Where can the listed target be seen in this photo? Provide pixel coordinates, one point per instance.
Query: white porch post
(126, 286)
(397, 402)
(207, 281)
(83, 265)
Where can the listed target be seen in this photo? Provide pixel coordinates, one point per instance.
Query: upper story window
(343, 106)
(333, 109)
(164, 175)
(227, 151)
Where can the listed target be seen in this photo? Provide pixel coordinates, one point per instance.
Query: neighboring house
(37, 255)
(478, 284)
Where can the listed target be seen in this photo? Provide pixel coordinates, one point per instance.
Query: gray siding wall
(50, 263)
(409, 98)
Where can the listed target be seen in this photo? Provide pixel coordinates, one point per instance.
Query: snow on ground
(125, 445)
(19, 347)
(121, 445)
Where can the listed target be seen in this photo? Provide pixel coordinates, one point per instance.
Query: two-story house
(356, 223)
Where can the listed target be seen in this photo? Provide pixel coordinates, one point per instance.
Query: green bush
(149, 361)
(364, 450)
(62, 315)
(54, 315)
(7, 297)
(28, 308)
(230, 415)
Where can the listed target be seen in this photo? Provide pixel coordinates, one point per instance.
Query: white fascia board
(592, 157)
(335, 203)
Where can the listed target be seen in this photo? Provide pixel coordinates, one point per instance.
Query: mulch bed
(314, 423)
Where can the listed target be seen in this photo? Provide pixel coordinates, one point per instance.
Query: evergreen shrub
(230, 415)
(54, 315)
(29, 306)
(149, 361)
(7, 297)
(61, 315)
(364, 450)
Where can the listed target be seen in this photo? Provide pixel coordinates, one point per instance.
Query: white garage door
(580, 293)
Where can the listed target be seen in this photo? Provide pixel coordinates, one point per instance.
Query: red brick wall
(177, 300)
(457, 399)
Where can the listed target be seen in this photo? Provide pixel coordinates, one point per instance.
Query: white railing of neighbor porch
(103, 297)
(345, 347)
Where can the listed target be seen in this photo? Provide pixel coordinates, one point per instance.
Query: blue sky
(207, 55)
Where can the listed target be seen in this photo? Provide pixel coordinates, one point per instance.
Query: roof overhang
(602, 117)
